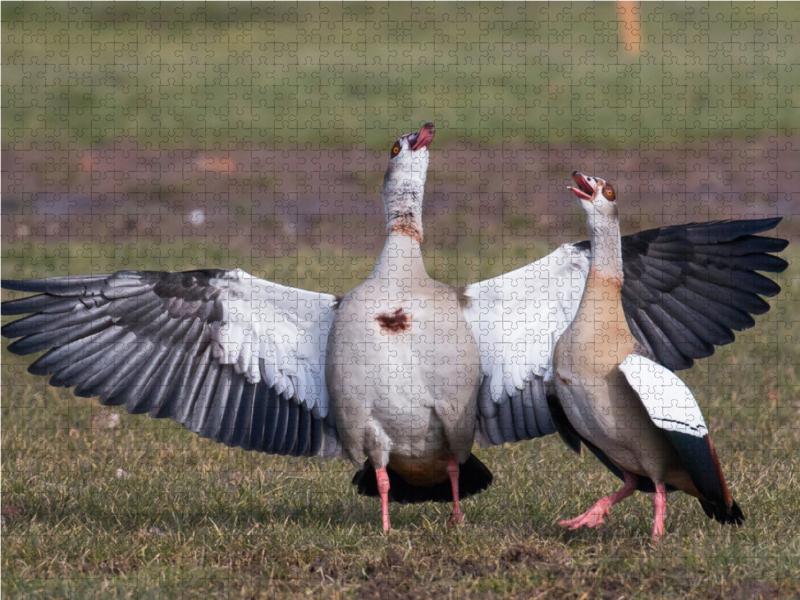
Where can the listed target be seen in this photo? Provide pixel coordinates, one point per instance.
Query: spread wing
(516, 319)
(232, 357)
(686, 289)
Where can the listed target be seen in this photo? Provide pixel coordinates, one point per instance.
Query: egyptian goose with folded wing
(633, 413)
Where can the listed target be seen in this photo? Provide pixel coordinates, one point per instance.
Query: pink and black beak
(423, 138)
(584, 186)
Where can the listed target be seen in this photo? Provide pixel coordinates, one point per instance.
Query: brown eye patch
(609, 193)
(396, 149)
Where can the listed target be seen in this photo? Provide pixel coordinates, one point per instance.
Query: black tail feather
(473, 478)
(720, 513)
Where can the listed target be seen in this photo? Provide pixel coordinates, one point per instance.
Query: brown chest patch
(395, 322)
(407, 227)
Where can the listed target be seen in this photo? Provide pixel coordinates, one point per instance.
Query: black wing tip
(780, 243)
(774, 220)
(718, 231)
(8, 309)
(751, 226)
(23, 285)
(41, 284)
(762, 224)
(735, 515)
(726, 515)
(779, 264)
(15, 349)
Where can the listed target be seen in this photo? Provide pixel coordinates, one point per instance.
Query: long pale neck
(404, 210)
(401, 258)
(606, 250)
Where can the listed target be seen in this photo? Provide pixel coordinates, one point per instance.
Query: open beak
(583, 189)
(423, 138)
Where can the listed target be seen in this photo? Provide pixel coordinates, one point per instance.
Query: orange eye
(395, 149)
(608, 192)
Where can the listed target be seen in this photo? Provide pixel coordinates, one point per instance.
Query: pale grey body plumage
(407, 396)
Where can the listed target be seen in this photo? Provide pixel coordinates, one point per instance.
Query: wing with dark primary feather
(687, 288)
(232, 357)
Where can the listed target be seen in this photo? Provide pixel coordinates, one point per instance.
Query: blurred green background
(176, 75)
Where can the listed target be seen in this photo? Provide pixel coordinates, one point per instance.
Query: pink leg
(452, 471)
(660, 503)
(383, 490)
(594, 516)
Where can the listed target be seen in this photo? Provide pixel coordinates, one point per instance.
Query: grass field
(144, 509)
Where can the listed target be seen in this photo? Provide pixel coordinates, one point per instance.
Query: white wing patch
(517, 317)
(669, 402)
(286, 327)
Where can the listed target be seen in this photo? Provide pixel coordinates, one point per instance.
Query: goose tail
(473, 478)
